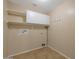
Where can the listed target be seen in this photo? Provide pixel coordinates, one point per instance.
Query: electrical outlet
(43, 44)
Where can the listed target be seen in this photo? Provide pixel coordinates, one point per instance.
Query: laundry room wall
(31, 39)
(62, 28)
(20, 41)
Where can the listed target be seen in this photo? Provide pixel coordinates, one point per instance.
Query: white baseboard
(59, 52)
(10, 57)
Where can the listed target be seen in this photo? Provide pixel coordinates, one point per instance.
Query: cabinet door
(37, 18)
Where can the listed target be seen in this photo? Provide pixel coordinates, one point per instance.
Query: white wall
(18, 42)
(62, 26)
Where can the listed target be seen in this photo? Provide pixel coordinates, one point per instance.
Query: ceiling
(43, 6)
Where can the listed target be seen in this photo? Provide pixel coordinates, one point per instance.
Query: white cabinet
(37, 18)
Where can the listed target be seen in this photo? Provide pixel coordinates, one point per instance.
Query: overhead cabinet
(37, 18)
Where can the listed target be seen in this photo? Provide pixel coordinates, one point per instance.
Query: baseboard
(59, 52)
(10, 57)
